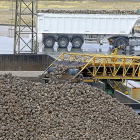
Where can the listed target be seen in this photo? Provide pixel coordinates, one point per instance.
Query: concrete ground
(23, 73)
(4, 30)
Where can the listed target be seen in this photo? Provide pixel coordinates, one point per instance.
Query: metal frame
(11, 18)
(25, 9)
(118, 85)
(114, 64)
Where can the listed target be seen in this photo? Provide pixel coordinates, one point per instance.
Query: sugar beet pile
(36, 111)
(120, 12)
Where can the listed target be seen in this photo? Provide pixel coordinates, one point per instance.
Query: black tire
(121, 42)
(80, 77)
(63, 42)
(49, 42)
(77, 42)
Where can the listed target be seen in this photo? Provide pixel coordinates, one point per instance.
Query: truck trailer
(65, 28)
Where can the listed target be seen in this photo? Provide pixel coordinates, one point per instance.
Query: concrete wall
(24, 62)
(123, 98)
(133, 105)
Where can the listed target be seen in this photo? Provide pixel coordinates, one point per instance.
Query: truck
(65, 28)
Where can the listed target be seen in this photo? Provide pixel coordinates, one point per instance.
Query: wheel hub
(77, 43)
(49, 42)
(63, 43)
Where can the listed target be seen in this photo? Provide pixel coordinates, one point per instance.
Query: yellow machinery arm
(98, 66)
(93, 67)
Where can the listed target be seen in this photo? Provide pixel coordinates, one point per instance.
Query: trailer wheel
(49, 42)
(77, 42)
(63, 42)
(121, 42)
